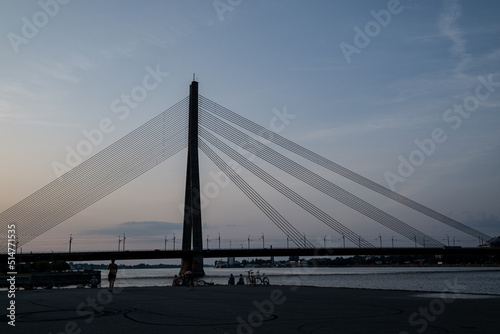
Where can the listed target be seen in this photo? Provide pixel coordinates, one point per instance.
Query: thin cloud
(68, 70)
(365, 127)
(144, 228)
(449, 28)
(484, 222)
(124, 49)
(58, 71)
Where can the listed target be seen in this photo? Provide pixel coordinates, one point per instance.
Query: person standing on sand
(113, 268)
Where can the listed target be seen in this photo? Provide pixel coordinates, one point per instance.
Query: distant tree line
(359, 260)
(59, 265)
(405, 260)
(90, 266)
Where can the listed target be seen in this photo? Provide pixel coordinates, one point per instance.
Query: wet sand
(245, 309)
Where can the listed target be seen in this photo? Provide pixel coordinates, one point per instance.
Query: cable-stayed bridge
(199, 124)
(257, 252)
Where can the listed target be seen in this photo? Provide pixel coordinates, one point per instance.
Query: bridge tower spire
(192, 240)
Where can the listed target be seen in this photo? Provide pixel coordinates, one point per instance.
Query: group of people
(230, 281)
(187, 278)
(113, 269)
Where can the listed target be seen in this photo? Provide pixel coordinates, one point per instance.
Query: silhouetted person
(113, 269)
(231, 280)
(189, 279)
(241, 281)
(94, 282)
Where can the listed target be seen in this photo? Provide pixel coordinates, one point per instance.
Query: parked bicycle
(257, 279)
(264, 279)
(250, 278)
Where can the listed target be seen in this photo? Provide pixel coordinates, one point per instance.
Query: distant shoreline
(167, 266)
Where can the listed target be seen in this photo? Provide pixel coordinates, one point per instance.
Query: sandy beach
(245, 309)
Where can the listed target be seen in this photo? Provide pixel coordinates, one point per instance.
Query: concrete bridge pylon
(192, 232)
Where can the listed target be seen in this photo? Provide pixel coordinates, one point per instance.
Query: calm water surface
(464, 280)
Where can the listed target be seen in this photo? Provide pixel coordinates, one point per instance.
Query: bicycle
(251, 279)
(265, 279)
(257, 279)
(262, 280)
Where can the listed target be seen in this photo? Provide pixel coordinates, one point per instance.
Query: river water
(477, 280)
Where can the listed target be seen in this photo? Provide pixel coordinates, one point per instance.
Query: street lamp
(263, 245)
(165, 242)
(124, 241)
(70, 239)
(219, 241)
(207, 241)
(174, 241)
(119, 242)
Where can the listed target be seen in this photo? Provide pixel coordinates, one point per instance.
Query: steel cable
(334, 167)
(286, 191)
(99, 175)
(291, 167)
(254, 196)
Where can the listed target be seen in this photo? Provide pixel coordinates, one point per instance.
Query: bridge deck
(262, 252)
